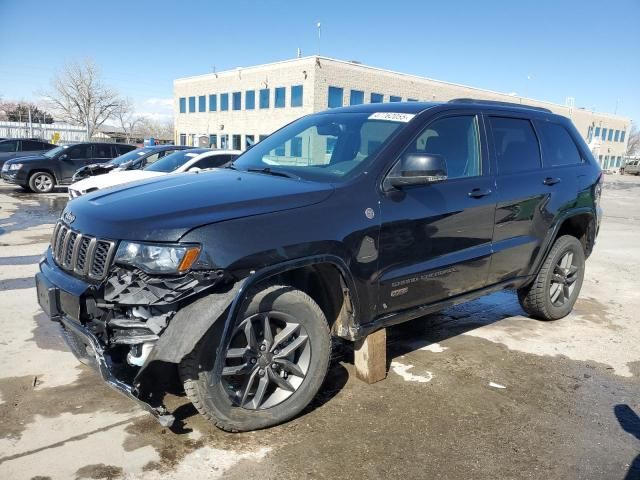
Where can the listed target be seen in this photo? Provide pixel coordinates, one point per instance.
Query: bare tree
(159, 129)
(633, 144)
(79, 96)
(127, 119)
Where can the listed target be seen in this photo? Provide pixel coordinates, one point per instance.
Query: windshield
(54, 151)
(324, 147)
(174, 161)
(131, 156)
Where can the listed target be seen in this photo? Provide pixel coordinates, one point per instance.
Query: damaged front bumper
(104, 369)
(123, 348)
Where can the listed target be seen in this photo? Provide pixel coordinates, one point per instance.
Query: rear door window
(516, 145)
(79, 152)
(558, 148)
(6, 147)
(31, 146)
(213, 161)
(102, 151)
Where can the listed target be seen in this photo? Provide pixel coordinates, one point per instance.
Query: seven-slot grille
(82, 254)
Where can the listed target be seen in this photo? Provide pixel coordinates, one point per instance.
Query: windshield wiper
(277, 173)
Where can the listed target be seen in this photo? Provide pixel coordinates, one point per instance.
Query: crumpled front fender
(190, 324)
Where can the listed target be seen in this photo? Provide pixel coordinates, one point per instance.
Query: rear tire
(41, 182)
(555, 289)
(279, 373)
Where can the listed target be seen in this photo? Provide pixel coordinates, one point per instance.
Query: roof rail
(498, 103)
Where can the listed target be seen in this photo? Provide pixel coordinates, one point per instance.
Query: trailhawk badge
(68, 217)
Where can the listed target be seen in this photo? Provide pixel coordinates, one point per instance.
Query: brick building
(236, 108)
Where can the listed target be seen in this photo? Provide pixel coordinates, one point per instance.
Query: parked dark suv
(41, 173)
(339, 224)
(20, 147)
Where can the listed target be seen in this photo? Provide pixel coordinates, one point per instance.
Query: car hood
(112, 179)
(167, 207)
(27, 158)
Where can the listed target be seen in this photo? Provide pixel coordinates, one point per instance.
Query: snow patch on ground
(206, 462)
(403, 370)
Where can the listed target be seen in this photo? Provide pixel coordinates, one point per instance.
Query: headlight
(15, 166)
(157, 258)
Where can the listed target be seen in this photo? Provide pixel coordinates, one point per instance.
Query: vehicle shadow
(630, 423)
(336, 379)
(401, 339)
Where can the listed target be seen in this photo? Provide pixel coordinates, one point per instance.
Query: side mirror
(64, 156)
(195, 169)
(418, 169)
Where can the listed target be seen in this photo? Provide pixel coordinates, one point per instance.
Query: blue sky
(544, 49)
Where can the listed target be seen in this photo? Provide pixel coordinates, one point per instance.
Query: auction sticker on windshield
(392, 116)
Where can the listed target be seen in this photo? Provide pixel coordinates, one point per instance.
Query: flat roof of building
(354, 64)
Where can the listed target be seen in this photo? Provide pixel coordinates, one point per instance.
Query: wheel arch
(191, 322)
(580, 223)
(42, 169)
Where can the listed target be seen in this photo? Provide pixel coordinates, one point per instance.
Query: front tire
(555, 289)
(277, 360)
(41, 182)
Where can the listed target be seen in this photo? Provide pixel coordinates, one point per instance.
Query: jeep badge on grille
(68, 217)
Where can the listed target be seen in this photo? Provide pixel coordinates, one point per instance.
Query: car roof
(31, 139)
(419, 107)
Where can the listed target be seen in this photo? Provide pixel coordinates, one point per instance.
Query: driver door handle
(551, 180)
(479, 192)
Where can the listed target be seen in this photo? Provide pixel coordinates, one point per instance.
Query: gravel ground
(479, 391)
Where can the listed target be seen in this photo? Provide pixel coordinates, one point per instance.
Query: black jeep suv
(339, 224)
(41, 173)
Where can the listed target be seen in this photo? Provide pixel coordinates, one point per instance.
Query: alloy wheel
(565, 274)
(267, 360)
(43, 183)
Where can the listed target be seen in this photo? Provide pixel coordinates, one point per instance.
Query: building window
(617, 136)
(280, 100)
(224, 141)
(192, 104)
(213, 103)
(264, 98)
(202, 103)
(622, 135)
(213, 141)
(183, 105)
(618, 161)
(604, 134)
(279, 150)
(236, 100)
(296, 96)
(412, 99)
(590, 133)
(262, 137)
(296, 147)
(377, 98)
(236, 139)
(335, 97)
(224, 101)
(250, 99)
(356, 97)
(183, 139)
(597, 132)
(393, 98)
(610, 137)
(249, 141)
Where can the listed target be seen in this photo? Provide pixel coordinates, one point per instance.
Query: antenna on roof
(299, 53)
(319, 36)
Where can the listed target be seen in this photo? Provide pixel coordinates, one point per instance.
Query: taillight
(597, 190)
